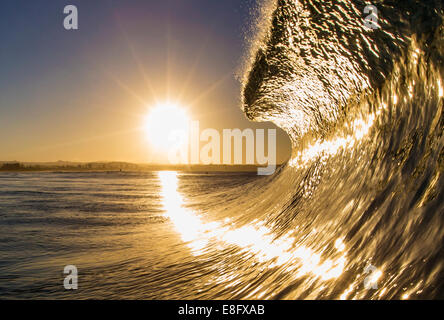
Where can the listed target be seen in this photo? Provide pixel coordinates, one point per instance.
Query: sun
(165, 125)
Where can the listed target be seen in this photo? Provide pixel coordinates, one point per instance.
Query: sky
(83, 95)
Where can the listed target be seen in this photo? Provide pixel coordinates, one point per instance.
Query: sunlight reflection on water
(256, 239)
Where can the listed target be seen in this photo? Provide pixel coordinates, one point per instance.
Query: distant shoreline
(15, 166)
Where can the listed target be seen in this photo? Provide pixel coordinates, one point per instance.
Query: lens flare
(165, 124)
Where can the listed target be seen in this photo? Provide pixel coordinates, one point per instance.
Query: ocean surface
(169, 235)
(356, 213)
(130, 235)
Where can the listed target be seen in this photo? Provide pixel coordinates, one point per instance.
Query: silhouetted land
(15, 166)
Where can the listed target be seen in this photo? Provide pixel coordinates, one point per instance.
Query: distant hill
(117, 166)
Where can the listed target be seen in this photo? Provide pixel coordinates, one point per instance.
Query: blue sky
(80, 95)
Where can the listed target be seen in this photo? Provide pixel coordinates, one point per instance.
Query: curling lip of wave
(317, 60)
(370, 171)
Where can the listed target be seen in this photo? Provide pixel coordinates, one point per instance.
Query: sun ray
(83, 140)
(193, 68)
(125, 87)
(168, 61)
(136, 58)
(211, 88)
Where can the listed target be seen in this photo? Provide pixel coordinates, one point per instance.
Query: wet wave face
(360, 204)
(317, 57)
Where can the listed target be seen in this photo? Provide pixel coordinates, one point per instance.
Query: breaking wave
(357, 212)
